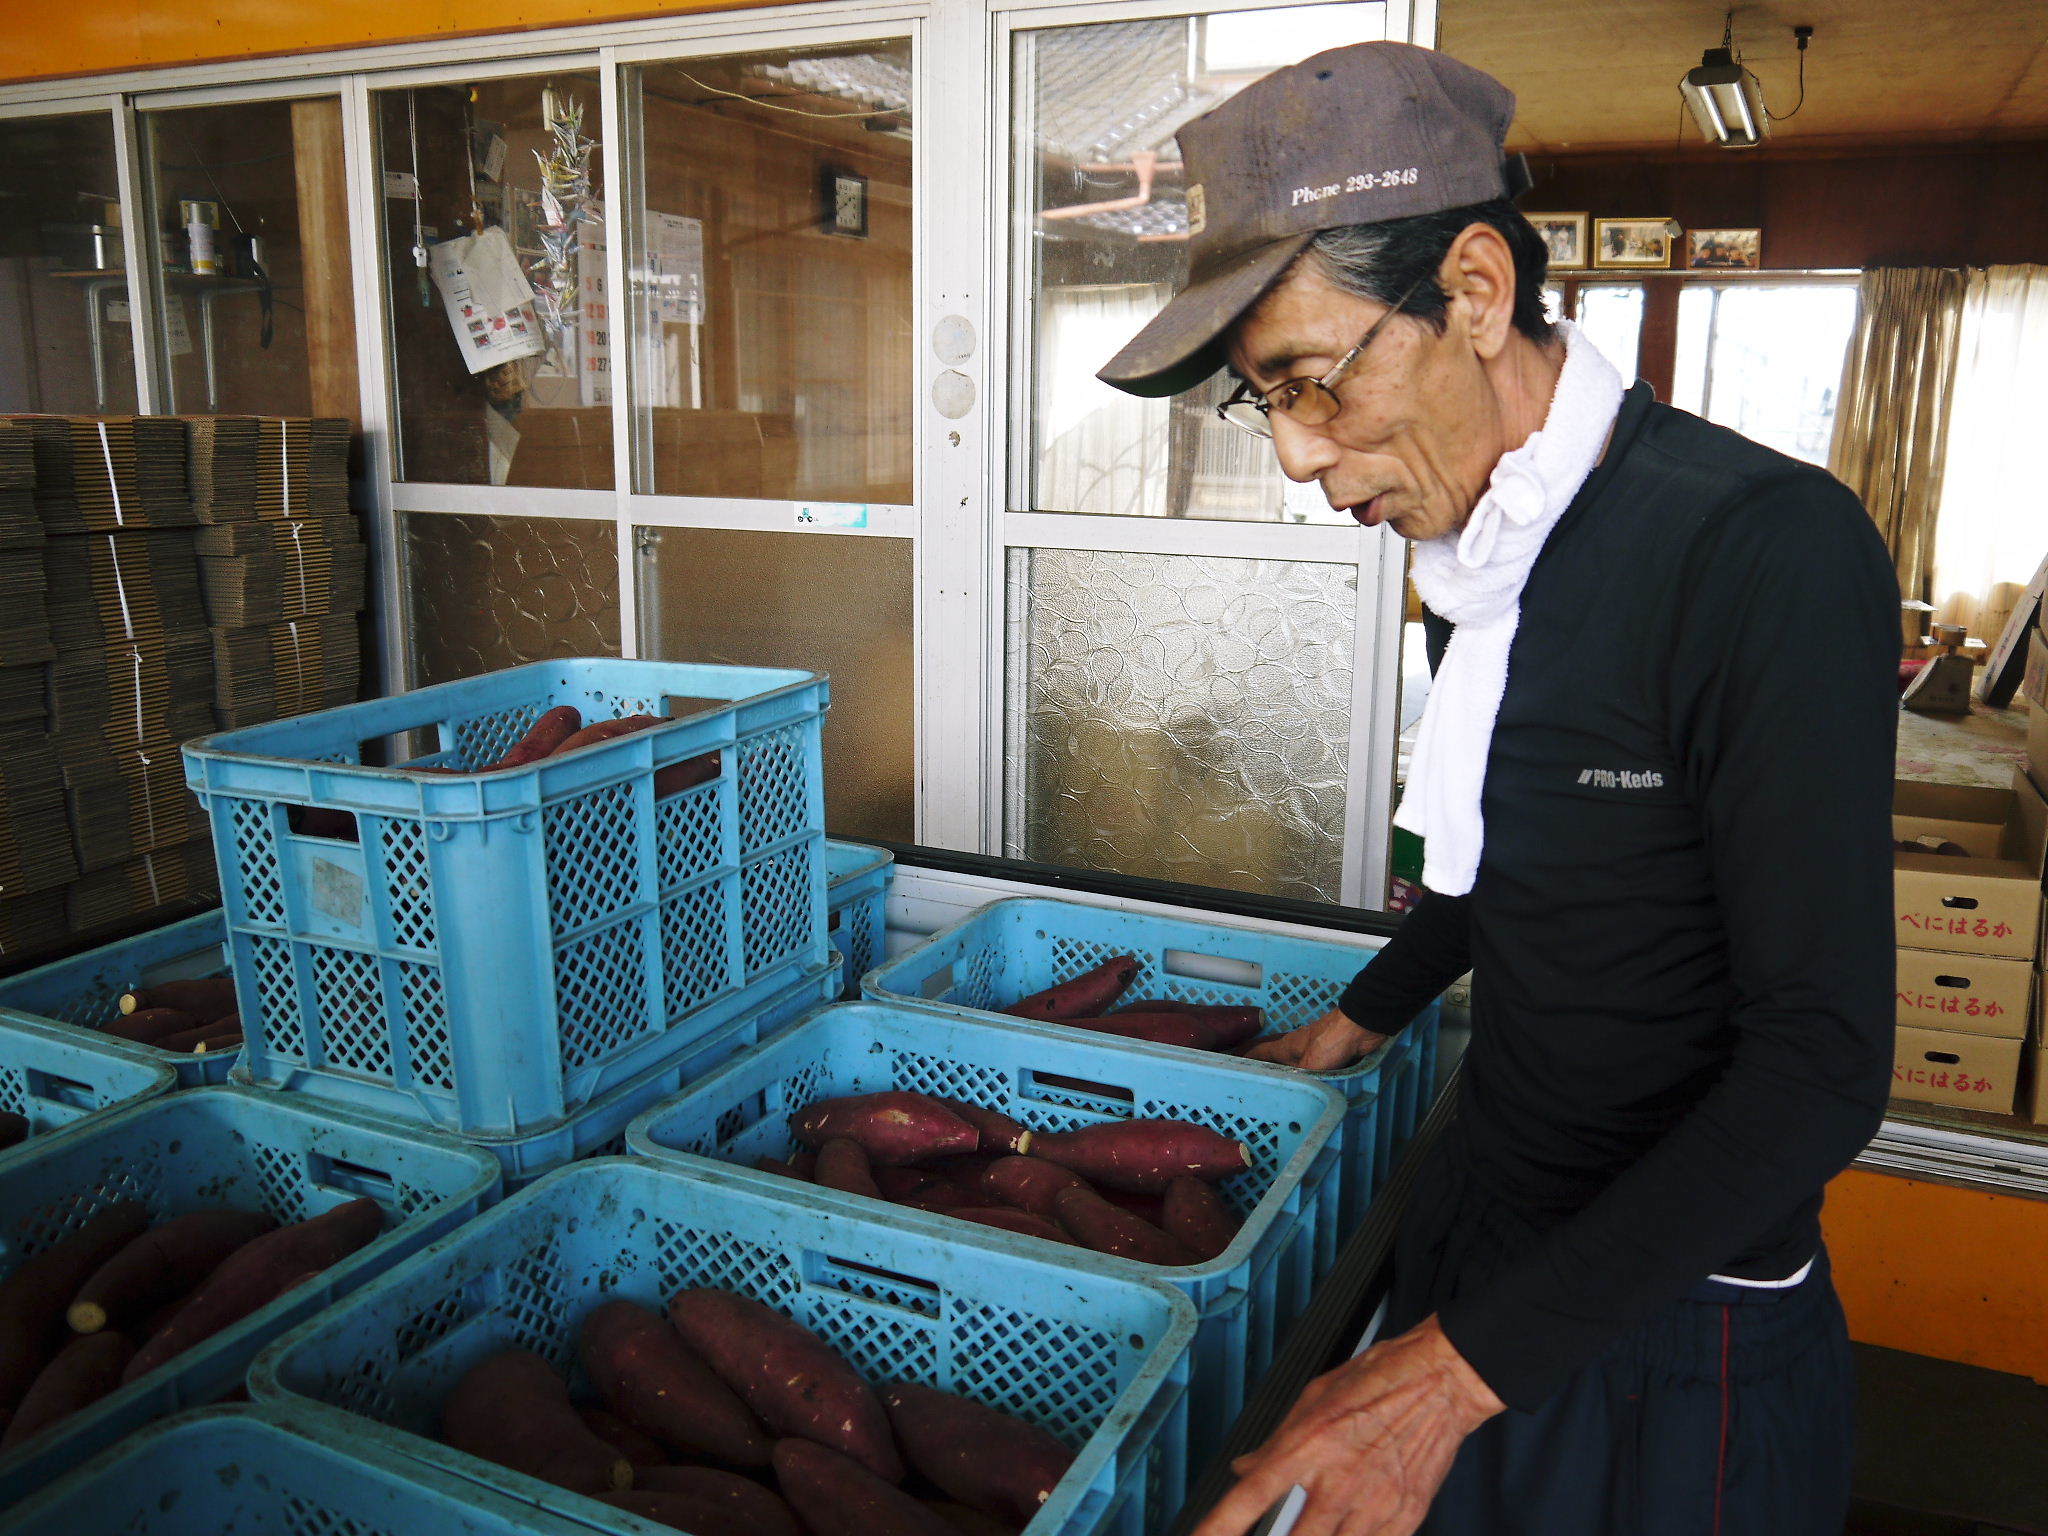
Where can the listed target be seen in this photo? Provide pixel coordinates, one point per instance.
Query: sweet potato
(843, 1165)
(1150, 1207)
(707, 1502)
(84, 1371)
(512, 1409)
(1181, 1029)
(791, 1378)
(779, 1168)
(145, 1026)
(640, 1448)
(999, 1133)
(986, 1459)
(33, 1298)
(257, 1274)
(1028, 1183)
(966, 1170)
(920, 1187)
(837, 1496)
(656, 1382)
(1230, 1024)
(1144, 1155)
(1008, 1218)
(14, 1128)
(546, 734)
(687, 774)
(805, 1162)
(204, 997)
(970, 1522)
(1202, 1219)
(605, 730)
(203, 1039)
(892, 1128)
(1106, 1228)
(1083, 997)
(163, 1262)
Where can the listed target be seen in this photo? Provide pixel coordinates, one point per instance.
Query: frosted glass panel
(491, 592)
(1181, 718)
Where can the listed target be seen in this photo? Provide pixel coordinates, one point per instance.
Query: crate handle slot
(1965, 903)
(353, 1178)
(825, 1267)
(53, 1089)
(938, 984)
(1946, 1058)
(750, 1111)
(1053, 1087)
(1961, 983)
(1196, 966)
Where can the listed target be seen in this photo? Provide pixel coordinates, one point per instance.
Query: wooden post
(1657, 357)
(324, 253)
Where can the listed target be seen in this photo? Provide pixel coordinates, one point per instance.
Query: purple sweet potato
(84, 1371)
(708, 1502)
(970, 1522)
(166, 1261)
(999, 1133)
(204, 997)
(546, 734)
(1181, 1029)
(892, 1128)
(837, 1496)
(257, 1274)
(688, 774)
(1009, 1219)
(793, 1380)
(1202, 1219)
(654, 1381)
(636, 1445)
(1028, 1183)
(604, 730)
(1230, 1024)
(1143, 1156)
(780, 1169)
(986, 1459)
(146, 1026)
(203, 1040)
(843, 1165)
(1150, 1207)
(1095, 1223)
(33, 1298)
(512, 1409)
(921, 1188)
(1082, 997)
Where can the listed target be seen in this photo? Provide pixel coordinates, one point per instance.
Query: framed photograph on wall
(1565, 236)
(1737, 248)
(1632, 242)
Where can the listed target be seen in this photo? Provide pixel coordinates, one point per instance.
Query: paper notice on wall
(502, 439)
(593, 313)
(675, 268)
(489, 303)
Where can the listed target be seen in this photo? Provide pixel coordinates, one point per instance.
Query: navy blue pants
(1728, 1413)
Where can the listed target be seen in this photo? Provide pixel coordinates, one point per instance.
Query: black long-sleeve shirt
(1681, 931)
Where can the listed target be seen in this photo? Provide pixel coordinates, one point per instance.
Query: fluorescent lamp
(1726, 101)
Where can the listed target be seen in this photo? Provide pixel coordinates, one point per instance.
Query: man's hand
(1331, 1042)
(1370, 1441)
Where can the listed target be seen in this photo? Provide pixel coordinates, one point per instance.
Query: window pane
(1766, 360)
(500, 343)
(771, 276)
(1612, 315)
(65, 344)
(1180, 717)
(492, 592)
(1102, 245)
(251, 250)
(838, 604)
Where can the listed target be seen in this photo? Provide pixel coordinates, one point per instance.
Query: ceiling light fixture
(1727, 100)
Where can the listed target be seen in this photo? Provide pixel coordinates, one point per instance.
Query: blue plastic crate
(1097, 1358)
(488, 953)
(856, 903)
(1011, 949)
(261, 1472)
(56, 1081)
(79, 994)
(224, 1146)
(1055, 1080)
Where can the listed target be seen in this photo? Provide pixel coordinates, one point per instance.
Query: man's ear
(1479, 270)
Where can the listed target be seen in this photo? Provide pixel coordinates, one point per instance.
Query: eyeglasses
(1308, 401)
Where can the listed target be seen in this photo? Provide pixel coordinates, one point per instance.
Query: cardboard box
(1939, 1066)
(1970, 994)
(2034, 684)
(2037, 745)
(1985, 903)
(2034, 1103)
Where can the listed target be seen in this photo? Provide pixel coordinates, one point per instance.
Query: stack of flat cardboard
(302, 466)
(183, 873)
(25, 646)
(32, 859)
(263, 573)
(285, 669)
(221, 466)
(107, 473)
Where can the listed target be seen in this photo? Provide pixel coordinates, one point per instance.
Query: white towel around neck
(1474, 579)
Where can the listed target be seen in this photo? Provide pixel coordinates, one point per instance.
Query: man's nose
(1304, 452)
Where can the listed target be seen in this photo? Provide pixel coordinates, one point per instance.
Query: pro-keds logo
(1620, 778)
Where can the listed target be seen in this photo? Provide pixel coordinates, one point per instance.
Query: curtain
(1891, 425)
(1993, 529)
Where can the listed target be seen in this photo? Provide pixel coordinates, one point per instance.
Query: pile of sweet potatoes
(122, 1295)
(726, 1418)
(197, 1016)
(562, 729)
(1138, 1189)
(1094, 1001)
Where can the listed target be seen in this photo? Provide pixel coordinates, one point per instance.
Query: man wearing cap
(1653, 782)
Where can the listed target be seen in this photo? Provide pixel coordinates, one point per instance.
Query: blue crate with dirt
(856, 906)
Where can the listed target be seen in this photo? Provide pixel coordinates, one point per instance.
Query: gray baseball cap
(1356, 135)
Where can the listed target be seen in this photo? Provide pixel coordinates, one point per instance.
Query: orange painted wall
(1954, 1273)
(91, 36)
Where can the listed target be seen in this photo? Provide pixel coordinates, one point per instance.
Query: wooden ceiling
(1603, 77)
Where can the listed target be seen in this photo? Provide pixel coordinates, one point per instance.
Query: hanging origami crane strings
(566, 200)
